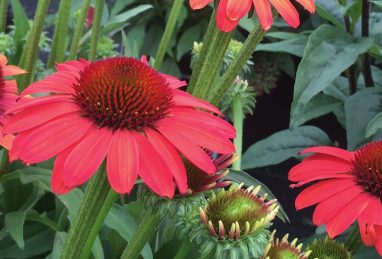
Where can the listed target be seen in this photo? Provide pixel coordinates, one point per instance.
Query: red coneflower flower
(230, 12)
(8, 95)
(122, 109)
(349, 188)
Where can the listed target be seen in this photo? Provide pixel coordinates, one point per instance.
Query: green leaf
(120, 220)
(294, 45)
(331, 11)
(187, 39)
(248, 180)
(360, 109)
(21, 23)
(328, 53)
(58, 244)
(282, 146)
(374, 125)
(14, 222)
(36, 175)
(133, 41)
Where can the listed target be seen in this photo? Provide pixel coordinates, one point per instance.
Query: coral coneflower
(348, 188)
(230, 12)
(123, 110)
(8, 96)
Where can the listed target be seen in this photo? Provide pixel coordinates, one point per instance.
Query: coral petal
(287, 11)
(57, 182)
(264, 13)
(122, 162)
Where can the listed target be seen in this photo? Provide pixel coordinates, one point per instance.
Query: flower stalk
(95, 205)
(29, 54)
(79, 29)
(57, 52)
(211, 56)
(96, 29)
(167, 35)
(241, 59)
(143, 234)
(238, 121)
(3, 15)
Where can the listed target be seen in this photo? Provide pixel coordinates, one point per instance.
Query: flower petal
(372, 215)
(347, 215)
(171, 157)
(53, 137)
(86, 156)
(191, 151)
(321, 191)
(122, 162)
(264, 13)
(287, 11)
(57, 182)
(38, 114)
(152, 169)
(222, 21)
(199, 4)
(237, 9)
(333, 151)
(328, 208)
(308, 4)
(10, 70)
(181, 98)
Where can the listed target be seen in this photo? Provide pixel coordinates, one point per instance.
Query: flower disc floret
(326, 248)
(122, 93)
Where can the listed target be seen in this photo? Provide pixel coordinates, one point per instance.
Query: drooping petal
(321, 191)
(37, 115)
(191, 151)
(204, 120)
(308, 4)
(10, 70)
(199, 4)
(373, 213)
(57, 181)
(328, 208)
(287, 12)
(53, 137)
(86, 156)
(152, 169)
(222, 21)
(3, 60)
(122, 162)
(6, 140)
(368, 234)
(171, 157)
(237, 9)
(208, 139)
(333, 151)
(174, 82)
(10, 86)
(264, 13)
(181, 98)
(60, 82)
(347, 215)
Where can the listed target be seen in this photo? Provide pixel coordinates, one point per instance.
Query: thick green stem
(142, 235)
(30, 50)
(238, 120)
(353, 241)
(96, 29)
(3, 15)
(168, 32)
(210, 59)
(57, 52)
(79, 29)
(95, 205)
(234, 69)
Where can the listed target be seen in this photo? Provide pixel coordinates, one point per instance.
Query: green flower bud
(328, 249)
(7, 45)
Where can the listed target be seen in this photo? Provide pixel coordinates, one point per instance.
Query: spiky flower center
(328, 249)
(122, 93)
(367, 167)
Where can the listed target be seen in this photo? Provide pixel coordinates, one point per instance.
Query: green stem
(57, 52)
(184, 250)
(238, 120)
(79, 29)
(168, 32)
(95, 205)
(3, 15)
(4, 164)
(233, 70)
(96, 29)
(30, 50)
(353, 241)
(211, 56)
(142, 235)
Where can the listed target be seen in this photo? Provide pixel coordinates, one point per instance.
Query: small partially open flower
(235, 221)
(327, 248)
(281, 249)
